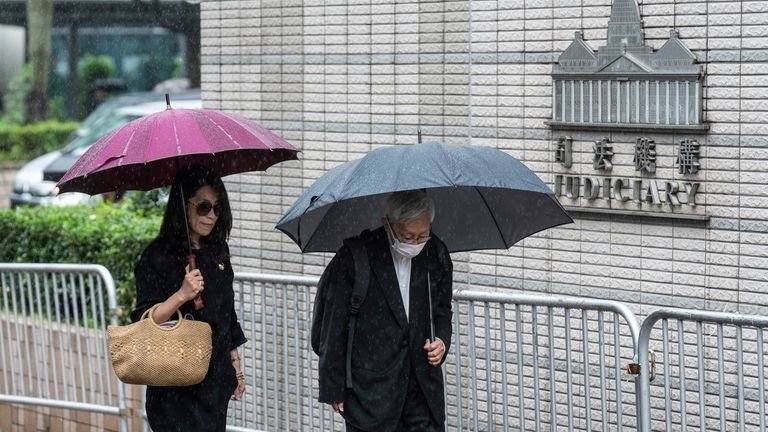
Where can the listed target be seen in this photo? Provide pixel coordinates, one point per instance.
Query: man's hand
(338, 407)
(435, 351)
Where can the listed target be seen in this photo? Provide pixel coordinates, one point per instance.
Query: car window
(108, 107)
(98, 115)
(118, 116)
(98, 130)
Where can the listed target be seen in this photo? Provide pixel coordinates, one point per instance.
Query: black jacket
(202, 407)
(387, 346)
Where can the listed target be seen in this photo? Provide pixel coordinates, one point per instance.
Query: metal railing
(517, 362)
(275, 313)
(571, 352)
(53, 349)
(503, 343)
(710, 374)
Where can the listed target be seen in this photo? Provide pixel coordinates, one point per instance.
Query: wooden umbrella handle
(193, 265)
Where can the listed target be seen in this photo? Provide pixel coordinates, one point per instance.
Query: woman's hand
(239, 374)
(192, 286)
(240, 390)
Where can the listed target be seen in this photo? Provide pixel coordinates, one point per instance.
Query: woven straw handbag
(171, 354)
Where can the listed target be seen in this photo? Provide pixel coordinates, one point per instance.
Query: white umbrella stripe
(126, 147)
(222, 129)
(179, 151)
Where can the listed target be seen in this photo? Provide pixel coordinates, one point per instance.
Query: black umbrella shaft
(431, 321)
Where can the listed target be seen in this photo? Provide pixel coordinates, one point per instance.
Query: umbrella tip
(55, 191)
(167, 101)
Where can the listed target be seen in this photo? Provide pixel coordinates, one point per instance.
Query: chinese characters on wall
(643, 189)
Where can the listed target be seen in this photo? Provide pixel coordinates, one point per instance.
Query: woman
(164, 277)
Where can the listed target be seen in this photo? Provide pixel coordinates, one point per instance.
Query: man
(397, 382)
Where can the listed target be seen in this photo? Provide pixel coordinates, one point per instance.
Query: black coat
(202, 407)
(387, 346)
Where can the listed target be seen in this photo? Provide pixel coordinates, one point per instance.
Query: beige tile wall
(339, 78)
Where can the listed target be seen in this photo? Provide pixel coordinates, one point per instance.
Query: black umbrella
(484, 198)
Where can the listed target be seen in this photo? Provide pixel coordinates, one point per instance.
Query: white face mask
(405, 249)
(408, 250)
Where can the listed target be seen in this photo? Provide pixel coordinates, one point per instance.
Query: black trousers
(416, 416)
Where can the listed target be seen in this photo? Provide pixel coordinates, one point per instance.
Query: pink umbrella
(146, 153)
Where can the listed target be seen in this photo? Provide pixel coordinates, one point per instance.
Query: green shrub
(25, 142)
(150, 203)
(110, 235)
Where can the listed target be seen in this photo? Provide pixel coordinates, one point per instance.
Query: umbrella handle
(429, 297)
(192, 262)
(193, 265)
(431, 320)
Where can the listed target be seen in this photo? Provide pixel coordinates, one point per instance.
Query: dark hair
(174, 227)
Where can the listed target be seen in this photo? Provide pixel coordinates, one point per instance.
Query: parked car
(34, 183)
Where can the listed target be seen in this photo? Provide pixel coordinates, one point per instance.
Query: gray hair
(406, 206)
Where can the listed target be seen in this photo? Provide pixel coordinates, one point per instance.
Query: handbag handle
(149, 312)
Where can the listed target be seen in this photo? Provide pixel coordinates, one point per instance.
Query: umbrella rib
(353, 174)
(312, 234)
(125, 148)
(495, 222)
(212, 121)
(230, 136)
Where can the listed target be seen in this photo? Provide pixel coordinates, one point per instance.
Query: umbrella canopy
(484, 198)
(147, 152)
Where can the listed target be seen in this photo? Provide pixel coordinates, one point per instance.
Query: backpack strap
(359, 291)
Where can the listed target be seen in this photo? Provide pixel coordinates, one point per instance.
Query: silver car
(34, 183)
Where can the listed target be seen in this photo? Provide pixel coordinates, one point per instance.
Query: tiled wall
(339, 78)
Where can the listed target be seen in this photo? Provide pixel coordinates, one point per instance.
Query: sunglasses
(204, 207)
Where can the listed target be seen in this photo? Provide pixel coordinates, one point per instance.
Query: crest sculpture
(627, 84)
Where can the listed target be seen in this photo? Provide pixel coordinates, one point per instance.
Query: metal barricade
(568, 350)
(532, 363)
(53, 348)
(276, 312)
(709, 374)
(517, 362)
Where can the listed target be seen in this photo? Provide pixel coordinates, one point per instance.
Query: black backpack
(359, 291)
